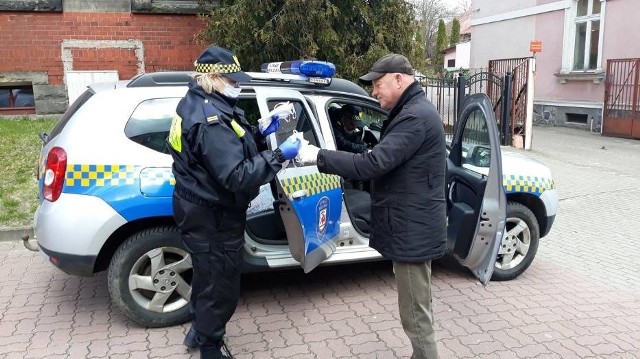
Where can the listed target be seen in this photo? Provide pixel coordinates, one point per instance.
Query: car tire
(519, 244)
(149, 278)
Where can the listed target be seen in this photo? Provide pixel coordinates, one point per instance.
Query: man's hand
(308, 153)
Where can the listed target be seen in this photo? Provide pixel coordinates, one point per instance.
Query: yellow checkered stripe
(311, 183)
(100, 175)
(157, 176)
(218, 68)
(529, 184)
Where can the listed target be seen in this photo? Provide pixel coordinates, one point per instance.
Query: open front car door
(309, 202)
(476, 201)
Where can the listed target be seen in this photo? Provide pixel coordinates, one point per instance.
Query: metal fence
(505, 82)
(622, 98)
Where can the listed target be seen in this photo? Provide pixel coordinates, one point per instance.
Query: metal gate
(441, 91)
(519, 69)
(505, 82)
(622, 99)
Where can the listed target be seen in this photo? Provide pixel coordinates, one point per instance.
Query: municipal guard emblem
(322, 209)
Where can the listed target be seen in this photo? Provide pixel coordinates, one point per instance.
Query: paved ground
(579, 299)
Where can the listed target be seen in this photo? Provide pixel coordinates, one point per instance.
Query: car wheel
(150, 278)
(519, 243)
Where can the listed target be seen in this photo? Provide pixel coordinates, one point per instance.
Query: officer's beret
(220, 60)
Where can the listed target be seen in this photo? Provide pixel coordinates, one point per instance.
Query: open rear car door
(309, 202)
(476, 201)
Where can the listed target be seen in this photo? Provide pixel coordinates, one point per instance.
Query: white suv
(106, 190)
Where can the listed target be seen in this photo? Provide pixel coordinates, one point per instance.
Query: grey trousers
(414, 299)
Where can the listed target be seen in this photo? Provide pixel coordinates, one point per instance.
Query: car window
(150, 122)
(476, 148)
(81, 100)
(251, 110)
(372, 118)
(358, 130)
(300, 121)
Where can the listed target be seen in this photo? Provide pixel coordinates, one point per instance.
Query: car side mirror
(480, 156)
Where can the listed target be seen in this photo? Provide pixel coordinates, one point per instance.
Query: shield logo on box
(322, 210)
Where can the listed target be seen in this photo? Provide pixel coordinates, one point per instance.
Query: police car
(106, 190)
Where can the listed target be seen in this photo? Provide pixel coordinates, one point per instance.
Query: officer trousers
(414, 300)
(214, 237)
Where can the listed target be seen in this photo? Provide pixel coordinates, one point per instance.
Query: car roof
(300, 83)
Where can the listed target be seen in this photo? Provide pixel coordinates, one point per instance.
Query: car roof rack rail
(154, 79)
(182, 78)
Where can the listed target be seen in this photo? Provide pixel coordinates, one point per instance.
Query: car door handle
(299, 194)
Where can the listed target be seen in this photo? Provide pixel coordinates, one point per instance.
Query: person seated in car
(348, 135)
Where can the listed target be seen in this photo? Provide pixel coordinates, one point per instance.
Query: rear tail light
(54, 174)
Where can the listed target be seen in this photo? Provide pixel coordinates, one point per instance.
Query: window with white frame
(584, 23)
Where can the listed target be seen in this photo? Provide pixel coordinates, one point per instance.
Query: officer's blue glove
(270, 123)
(288, 149)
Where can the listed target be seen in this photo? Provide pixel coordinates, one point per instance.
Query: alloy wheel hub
(165, 281)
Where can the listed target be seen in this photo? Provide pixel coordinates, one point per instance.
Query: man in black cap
(408, 207)
(218, 171)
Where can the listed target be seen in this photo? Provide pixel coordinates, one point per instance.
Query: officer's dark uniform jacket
(407, 166)
(219, 163)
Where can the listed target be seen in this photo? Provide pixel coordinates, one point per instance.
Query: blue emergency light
(307, 68)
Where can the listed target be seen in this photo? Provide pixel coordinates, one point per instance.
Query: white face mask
(229, 91)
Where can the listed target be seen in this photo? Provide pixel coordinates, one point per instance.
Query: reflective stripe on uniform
(175, 133)
(237, 128)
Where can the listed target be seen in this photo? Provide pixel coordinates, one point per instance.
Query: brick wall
(32, 42)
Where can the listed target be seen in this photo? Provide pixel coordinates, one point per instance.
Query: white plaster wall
(463, 55)
(501, 40)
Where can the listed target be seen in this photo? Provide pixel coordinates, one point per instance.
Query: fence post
(531, 88)
(460, 95)
(505, 128)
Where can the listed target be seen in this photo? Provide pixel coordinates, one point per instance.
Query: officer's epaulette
(211, 113)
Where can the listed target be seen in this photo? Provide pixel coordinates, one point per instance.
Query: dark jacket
(407, 166)
(215, 156)
(350, 142)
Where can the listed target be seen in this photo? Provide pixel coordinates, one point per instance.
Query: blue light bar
(307, 68)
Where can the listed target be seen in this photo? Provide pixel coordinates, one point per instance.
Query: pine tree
(455, 32)
(350, 33)
(441, 44)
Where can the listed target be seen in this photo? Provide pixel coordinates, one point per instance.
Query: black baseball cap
(390, 63)
(221, 61)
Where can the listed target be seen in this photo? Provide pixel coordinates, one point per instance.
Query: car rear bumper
(70, 263)
(74, 228)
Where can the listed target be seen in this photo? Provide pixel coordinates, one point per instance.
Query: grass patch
(19, 154)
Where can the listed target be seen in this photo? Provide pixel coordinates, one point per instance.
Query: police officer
(218, 171)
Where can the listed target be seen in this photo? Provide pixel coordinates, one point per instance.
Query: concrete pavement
(579, 299)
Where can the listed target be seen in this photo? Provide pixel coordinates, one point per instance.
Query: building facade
(51, 49)
(578, 38)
